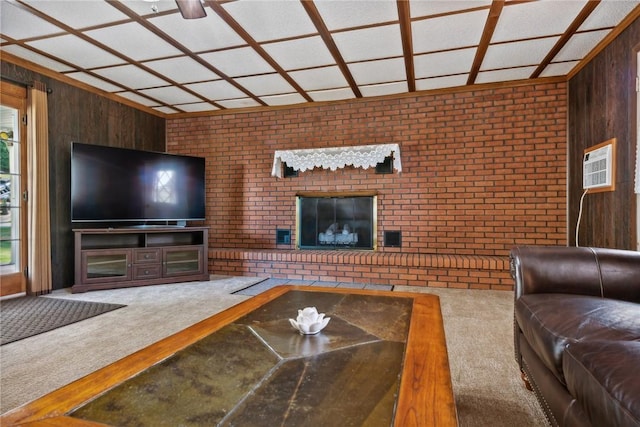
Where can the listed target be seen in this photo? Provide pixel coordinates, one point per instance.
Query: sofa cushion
(603, 377)
(550, 321)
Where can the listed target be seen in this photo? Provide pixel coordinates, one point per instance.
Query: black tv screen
(112, 184)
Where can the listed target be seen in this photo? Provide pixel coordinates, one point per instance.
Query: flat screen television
(110, 184)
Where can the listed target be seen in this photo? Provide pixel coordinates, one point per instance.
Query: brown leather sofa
(577, 332)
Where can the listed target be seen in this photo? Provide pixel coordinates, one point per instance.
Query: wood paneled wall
(82, 116)
(602, 105)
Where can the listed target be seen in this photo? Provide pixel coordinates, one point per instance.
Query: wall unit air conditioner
(598, 167)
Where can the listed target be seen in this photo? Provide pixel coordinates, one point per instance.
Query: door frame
(16, 283)
(636, 182)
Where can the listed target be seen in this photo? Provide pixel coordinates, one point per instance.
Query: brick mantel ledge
(393, 268)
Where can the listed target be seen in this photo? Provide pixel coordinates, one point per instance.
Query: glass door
(182, 261)
(106, 265)
(336, 222)
(13, 250)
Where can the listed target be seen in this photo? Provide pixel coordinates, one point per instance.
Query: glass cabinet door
(106, 266)
(182, 261)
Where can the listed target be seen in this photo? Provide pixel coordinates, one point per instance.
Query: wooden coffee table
(381, 361)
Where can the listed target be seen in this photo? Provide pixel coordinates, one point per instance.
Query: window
(165, 188)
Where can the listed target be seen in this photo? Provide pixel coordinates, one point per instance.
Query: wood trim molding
(249, 110)
(635, 14)
(333, 194)
(14, 90)
(430, 92)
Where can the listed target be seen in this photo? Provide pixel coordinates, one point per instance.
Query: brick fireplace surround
(483, 170)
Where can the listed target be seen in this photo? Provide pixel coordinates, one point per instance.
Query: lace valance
(361, 156)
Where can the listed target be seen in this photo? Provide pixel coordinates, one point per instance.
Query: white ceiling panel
(608, 14)
(384, 89)
(442, 82)
(166, 110)
(383, 71)
(286, 99)
(239, 103)
(580, 45)
(369, 43)
(77, 51)
(138, 98)
(271, 20)
(300, 53)
(320, 78)
(94, 81)
(19, 24)
(219, 89)
(517, 54)
(36, 58)
(79, 14)
(349, 14)
(170, 95)
(559, 69)
(182, 70)
(196, 107)
(505, 75)
(147, 45)
(331, 95)
(536, 19)
(430, 35)
(270, 84)
(199, 35)
(238, 62)
(131, 77)
(428, 8)
(444, 63)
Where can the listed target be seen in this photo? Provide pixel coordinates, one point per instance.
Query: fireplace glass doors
(344, 222)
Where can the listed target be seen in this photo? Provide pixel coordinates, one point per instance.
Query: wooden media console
(107, 258)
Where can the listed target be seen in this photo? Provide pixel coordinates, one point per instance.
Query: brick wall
(483, 170)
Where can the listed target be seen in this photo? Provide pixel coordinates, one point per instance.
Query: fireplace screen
(336, 222)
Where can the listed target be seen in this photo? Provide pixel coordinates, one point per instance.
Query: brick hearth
(384, 268)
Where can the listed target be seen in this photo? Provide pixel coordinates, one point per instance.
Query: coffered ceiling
(262, 53)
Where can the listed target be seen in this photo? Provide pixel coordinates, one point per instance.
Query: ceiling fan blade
(191, 9)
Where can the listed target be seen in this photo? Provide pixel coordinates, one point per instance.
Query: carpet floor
(478, 326)
(24, 317)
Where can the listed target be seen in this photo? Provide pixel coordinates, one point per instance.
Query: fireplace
(336, 221)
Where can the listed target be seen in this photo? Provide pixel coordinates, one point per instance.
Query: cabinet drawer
(147, 271)
(146, 255)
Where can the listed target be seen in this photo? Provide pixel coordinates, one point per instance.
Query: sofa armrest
(607, 273)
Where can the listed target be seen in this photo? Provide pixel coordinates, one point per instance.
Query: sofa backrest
(609, 273)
